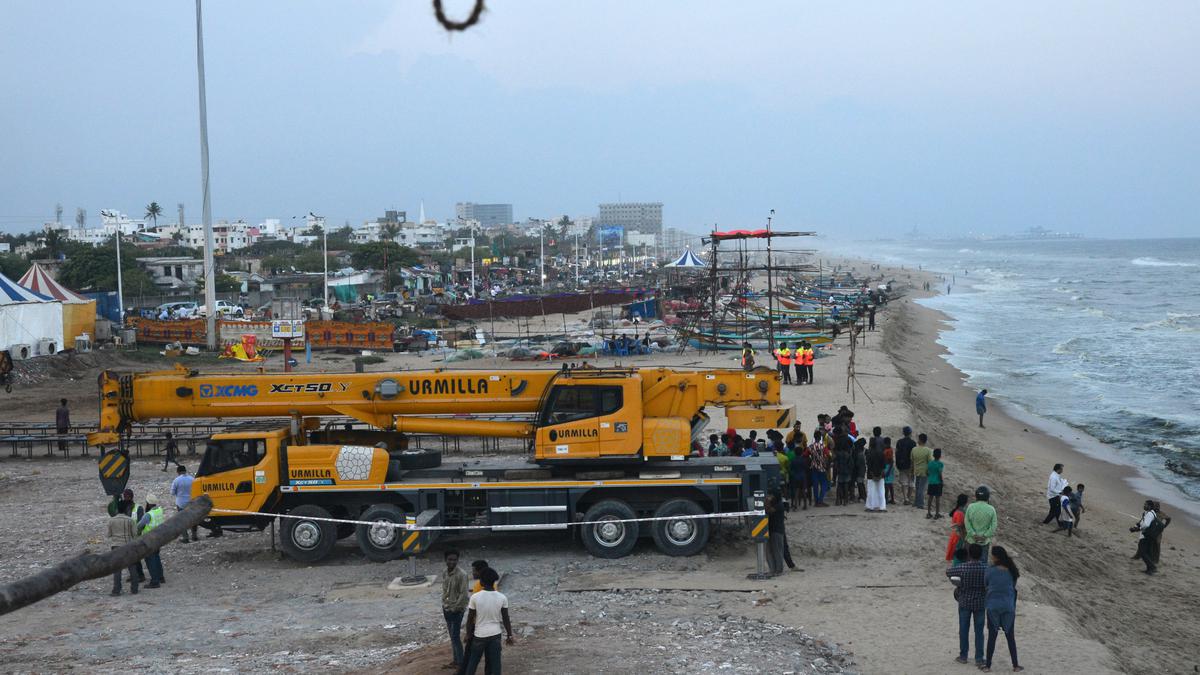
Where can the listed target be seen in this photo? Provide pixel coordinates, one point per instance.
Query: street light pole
(542, 254)
(472, 260)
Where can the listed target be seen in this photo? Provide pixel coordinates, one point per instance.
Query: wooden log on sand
(23, 592)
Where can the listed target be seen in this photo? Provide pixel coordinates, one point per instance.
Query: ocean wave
(1072, 346)
(967, 250)
(1180, 321)
(1092, 311)
(1156, 262)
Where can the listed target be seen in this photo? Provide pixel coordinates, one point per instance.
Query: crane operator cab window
(228, 454)
(569, 403)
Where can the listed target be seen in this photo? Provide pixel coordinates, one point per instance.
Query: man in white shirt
(1054, 488)
(487, 613)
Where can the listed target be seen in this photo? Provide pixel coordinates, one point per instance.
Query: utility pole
(576, 261)
(120, 283)
(472, 259)
(770, 289)
(210, 276)
(542, 254)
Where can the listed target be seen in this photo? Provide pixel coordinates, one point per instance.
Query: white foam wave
(1069, 347)
(967, 250)
(1092, 311)
(1156, 262)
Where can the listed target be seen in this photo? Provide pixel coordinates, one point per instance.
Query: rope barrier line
(417, 528)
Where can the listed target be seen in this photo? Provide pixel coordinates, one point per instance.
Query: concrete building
(174, 272)
(643, 217)
(488, 215)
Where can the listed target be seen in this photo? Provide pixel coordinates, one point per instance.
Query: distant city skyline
(854, 121)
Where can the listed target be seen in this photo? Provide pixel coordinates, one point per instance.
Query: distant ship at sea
(1037, 232)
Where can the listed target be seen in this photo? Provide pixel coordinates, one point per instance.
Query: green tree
(339, 239)
(225, 284)
(90, 268)
(153, 211)
(54, 242)
(382, 255)
(13, 265)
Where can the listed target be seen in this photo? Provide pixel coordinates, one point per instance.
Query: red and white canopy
(39, 281)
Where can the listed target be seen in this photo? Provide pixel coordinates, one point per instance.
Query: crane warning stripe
(762, 524)
(408, 541)
(115, 465)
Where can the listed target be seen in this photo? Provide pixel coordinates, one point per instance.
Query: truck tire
(614, 540)
(419, 459)
(686, 536)
(381, 544)
(307, 541)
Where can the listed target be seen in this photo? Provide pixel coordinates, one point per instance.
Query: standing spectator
(477, 568)
(776, 536)
(152, 518)
(876, 466)
(889, 471)
(958, 535)
(715, 448)
(818, 468)
(980, 404)
(920, 467)
(120, 532)
(871, 318)
(934, 471)
(486, 612)
(455, 595)
(125, 501)
(859, 470)
(1054, 489)
(801, 470)
(971, 594)
(747, 357)
(170, 451)
(1000, 584)
(979, 521)
(904, 448)
(842, 464)
(181, 490)
(796, 436)
(62, 424)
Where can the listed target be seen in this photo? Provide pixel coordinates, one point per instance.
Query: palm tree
(153, 211)
(389, 231)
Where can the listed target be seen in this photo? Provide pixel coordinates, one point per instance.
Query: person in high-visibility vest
(798, 358)
(809, 355)
(784, 356)
(152, 519)
(747, 356)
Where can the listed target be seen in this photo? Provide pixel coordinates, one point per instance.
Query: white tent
(688, 259)
(31, 324)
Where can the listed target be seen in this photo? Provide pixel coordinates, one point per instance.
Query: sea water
(1101, 335)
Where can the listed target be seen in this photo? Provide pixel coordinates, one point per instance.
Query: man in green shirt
(455, 595)
(980, 520)
(920, 467)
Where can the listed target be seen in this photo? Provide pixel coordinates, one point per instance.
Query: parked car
(224, 308)
(176, 310)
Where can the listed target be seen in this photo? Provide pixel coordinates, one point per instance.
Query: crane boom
(577, 400)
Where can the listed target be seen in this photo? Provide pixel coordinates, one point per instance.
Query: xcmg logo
(228, 390)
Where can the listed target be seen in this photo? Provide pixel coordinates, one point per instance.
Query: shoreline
(1013, 456)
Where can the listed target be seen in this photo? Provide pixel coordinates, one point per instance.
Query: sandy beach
(872, 584)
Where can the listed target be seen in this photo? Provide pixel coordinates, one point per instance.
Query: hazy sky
(849, 118)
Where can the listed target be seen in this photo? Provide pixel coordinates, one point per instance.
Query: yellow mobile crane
(608, 444)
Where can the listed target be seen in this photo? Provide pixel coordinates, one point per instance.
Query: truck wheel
(307, 540)
(381, 543)
(610, 540)
(419, 459)
(685, 536)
